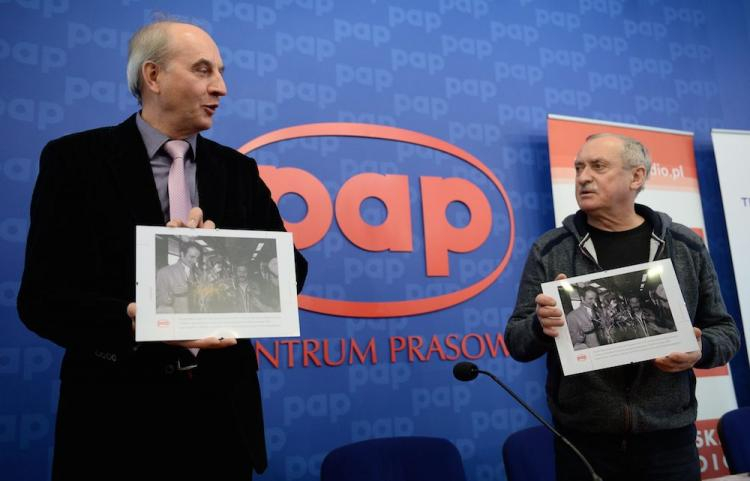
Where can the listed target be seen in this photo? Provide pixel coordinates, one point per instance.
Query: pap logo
(162, 323)
(395, 232)
(582, 358)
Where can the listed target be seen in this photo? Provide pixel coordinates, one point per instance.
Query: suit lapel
(133, 176)
(210, 177)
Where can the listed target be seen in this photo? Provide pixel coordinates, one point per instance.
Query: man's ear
(639, 177)
(150, 72)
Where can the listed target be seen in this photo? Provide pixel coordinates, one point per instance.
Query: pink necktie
(179, 195)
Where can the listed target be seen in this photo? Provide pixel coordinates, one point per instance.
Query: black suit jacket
(93, 188)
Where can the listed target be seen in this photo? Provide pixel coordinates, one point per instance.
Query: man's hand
(195, 219)
(131, 314)
(205, 343)
(550, 317)
(680, 361)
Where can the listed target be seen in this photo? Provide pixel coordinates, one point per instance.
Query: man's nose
(218, 87)
(583, 176)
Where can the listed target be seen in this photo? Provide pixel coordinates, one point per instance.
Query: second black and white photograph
(621, 316)
(614, 309)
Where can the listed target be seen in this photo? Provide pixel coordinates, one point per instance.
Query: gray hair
(634, 153)
(149, 44)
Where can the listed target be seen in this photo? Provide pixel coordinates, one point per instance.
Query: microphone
(468, 371)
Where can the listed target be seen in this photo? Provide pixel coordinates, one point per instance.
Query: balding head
(149, 44)
(176, 71)
(633, 154)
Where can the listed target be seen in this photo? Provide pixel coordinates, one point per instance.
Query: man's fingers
(552, 321)
(677, 361)
(550, 331)
(215, 343)
(664, 364)
(668, 364)
(195, 217)
(677, 357)
(206, 343)
(545, 300)
(550, 316)
(547, 312)
(131, 314)
(680, 361)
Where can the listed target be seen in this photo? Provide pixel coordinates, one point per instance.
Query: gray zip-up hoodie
(608, 400)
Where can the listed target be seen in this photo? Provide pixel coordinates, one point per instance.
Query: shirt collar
(153, 139)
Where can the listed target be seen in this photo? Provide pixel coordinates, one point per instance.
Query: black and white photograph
(216, 275)
(616, 309)
(196, 283)
(620, 316)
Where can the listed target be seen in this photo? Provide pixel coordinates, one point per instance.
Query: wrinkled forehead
(191, 42)
(601, 148)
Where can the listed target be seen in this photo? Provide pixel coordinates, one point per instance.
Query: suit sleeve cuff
(707, 353)
(536, 328)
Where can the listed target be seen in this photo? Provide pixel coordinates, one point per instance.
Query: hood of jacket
(577, 225)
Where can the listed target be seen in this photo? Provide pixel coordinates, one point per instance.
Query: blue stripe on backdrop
(479, 74)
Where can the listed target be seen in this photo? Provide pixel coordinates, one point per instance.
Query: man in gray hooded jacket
(633, 422)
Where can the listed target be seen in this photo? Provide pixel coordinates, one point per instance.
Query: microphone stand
(562, 438)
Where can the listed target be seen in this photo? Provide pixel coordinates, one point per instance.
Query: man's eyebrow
(204, 62)
(593, 159)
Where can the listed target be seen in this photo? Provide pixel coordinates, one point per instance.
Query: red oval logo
(363, 309)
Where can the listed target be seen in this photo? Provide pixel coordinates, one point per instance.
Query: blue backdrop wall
(479, 74)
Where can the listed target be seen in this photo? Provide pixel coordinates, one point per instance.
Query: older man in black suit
(149, 410)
